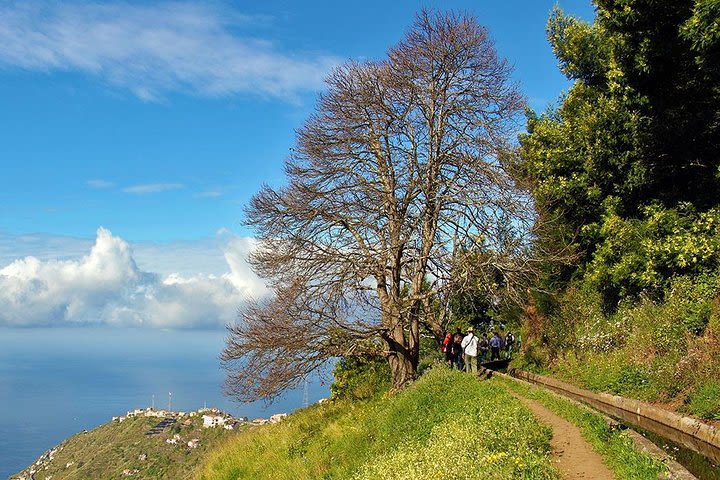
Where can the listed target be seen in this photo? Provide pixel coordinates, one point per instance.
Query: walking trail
(572, 454)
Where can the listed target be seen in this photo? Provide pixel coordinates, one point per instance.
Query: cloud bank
(106, 286)
(152, 188)
(155, 49)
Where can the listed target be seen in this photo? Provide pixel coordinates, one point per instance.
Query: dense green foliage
(640, 255)
(659, 350)
(627, 169)
(638, 131)
(446, 425)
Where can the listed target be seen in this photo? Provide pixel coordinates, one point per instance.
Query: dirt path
(572, 454)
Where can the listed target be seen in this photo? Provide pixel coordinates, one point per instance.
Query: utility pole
(305, 393)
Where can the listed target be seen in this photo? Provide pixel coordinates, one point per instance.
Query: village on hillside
(170, 424)
(211, 417)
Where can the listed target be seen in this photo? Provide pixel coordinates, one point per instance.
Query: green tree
(639, 126)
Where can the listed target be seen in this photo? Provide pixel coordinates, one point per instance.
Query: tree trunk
(402, 369)
(402, 360)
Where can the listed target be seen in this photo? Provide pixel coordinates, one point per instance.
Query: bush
(643, 255)
(430, 354)
(360, 378)
(533, 358)
(649, 349)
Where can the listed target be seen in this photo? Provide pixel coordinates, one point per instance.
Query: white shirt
(470, 344)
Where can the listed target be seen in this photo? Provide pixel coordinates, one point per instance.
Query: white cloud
(209, 194)
(154, 49)
(152, 188)
(107, 286)
(98, 183)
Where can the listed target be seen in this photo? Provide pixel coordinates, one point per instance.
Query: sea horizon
(56, 382)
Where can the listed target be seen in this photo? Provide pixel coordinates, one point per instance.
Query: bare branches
(397, 169)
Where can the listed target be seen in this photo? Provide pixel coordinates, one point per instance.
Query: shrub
(360, 378)
(643, 255)
(430, 354)
(650, 349)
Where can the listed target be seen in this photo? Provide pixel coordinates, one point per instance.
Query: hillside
(116, 447)
(447, 425)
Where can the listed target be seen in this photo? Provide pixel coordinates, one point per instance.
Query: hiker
(495, 345)
(447, 349)
(458, 350)
(470, 351)
(509, 343)
(484, 346)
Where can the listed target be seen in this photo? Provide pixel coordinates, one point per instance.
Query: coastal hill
(444, 420)
(144, 444)
(447, 425)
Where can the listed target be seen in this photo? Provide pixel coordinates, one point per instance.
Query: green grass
(657, 350)
(447, 425)
(610, 372)
(705, 401)
(615, 446)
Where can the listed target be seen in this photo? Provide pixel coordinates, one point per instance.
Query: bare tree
(399, 166)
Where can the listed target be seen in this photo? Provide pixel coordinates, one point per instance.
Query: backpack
(446, 345)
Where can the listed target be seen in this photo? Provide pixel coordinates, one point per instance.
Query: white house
(277, 417)
(213, 421)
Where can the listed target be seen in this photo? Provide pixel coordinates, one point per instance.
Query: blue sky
(157, 121)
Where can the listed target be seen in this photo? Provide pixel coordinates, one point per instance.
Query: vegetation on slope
(665, 351)
(627, 166)
(614, 445)
(446, 425)
(105, 452)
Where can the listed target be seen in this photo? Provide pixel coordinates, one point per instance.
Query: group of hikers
(465, 351)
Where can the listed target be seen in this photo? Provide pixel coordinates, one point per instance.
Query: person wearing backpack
(470, 350)
(447, 349)
(458, 350)
(484, 347)
(509, 342)
(495, 344)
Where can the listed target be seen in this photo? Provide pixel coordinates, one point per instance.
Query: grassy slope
(447, 425)
(106, 451)
(659, 351)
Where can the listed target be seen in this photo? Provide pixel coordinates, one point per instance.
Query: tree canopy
(399, 167)
(638, 131)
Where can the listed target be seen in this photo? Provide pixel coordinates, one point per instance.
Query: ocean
(55, 382)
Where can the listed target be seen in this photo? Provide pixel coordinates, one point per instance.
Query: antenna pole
(305, 393)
